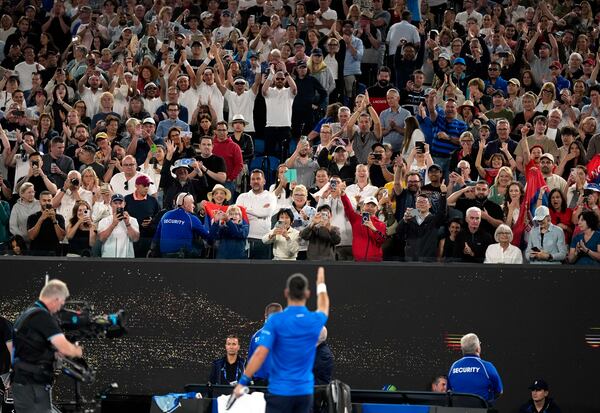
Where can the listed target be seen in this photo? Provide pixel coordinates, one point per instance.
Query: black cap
(301, 63)
(317, 51)
(434, 166)
(499, 92)
(539, 384)
(377, 145)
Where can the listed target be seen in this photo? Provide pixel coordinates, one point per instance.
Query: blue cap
(460, 61)
(117, 197)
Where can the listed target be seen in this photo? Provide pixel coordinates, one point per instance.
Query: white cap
(370, 199)
(541, 212)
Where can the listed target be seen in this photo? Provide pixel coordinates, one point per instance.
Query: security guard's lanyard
(238, 372)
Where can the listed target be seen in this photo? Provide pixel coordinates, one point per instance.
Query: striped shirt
(453, 127)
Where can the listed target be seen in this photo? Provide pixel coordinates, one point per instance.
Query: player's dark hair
(297, 284)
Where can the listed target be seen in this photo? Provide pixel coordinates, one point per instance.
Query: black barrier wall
(389, 324)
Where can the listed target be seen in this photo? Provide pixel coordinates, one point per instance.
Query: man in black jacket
(342, 163)
(539, 402)
(474, 240)
(408, 60)
(229, 369)
(310, 97)
(419, 228)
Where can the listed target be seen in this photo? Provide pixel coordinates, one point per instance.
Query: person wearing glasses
(172, 121)
(503, 252)
(124, 182)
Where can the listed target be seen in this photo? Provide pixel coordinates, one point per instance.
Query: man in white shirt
(91, 95)
(260, 206)
(69, 194)
(279, 100)
(208, 88)
(221, 33)
(123, 183)
(469, 11)
(241, 101)
(326, 17)
(402, 30)
(118, 231)
(27, 68)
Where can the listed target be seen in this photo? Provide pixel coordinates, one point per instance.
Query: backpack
(339, 398)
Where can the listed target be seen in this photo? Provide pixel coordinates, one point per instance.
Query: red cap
(143, 180)
(556, 64)
(589, 62)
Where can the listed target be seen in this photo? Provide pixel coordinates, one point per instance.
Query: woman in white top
(412, 134)
(503, 252)
(282, 188)
(547, 98)
(283, 237)
(420, 160)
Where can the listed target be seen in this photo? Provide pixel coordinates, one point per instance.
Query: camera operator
(322, 237)
(37, 336)
(37, 177)
(46, 228)
(119, 231)
(69, 194)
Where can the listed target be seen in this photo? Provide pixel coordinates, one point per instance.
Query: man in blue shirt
(261, 376)
(473, 375)
(172, 121)
(177, 229)
(290, 339)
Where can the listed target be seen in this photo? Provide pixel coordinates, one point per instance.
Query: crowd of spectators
(367, 130)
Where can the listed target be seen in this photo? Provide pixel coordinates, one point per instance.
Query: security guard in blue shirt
(473, 375)
(261, 377)
(289, 339)
(177, 230)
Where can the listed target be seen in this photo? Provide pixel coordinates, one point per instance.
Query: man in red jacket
(231, 154)
(368, 232)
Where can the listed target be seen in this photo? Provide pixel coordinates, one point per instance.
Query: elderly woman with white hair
(503, 252)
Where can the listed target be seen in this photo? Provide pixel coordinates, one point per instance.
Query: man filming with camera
(37, 336)
(69, 194)
(36, 176)
(118, 231)
(46, 228)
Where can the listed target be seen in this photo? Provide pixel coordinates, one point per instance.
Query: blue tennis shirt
(291, 337)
